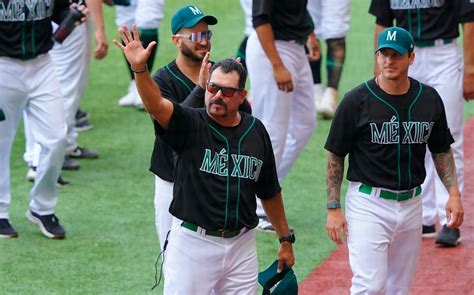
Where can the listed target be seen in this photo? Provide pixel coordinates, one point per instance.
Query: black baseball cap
(188, 16)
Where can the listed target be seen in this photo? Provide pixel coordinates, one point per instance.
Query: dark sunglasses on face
(226, 91)
(197, 36)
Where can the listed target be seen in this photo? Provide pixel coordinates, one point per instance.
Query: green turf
(108, 208)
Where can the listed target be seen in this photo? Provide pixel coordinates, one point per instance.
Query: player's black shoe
(83, 153)
(81, 116)
(48, 224)
(70, 164)
(429, 231)
(31, 176)
(83, 126)
(448, 237)
(6, 229)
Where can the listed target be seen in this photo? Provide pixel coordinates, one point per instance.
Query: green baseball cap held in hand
(397, 39)
(283, 283)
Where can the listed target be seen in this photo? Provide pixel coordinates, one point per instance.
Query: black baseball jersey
(290, 19)
(175, 86)
(466, 11)
(25, 26)
(426, 20)
(386, 135)
(219, 170)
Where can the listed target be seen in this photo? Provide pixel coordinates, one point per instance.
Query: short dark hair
(229, 65)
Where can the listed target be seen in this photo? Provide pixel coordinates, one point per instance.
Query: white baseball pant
(31, 86)
(442, 68)
(331, 18)
(198, 264)
(289, 117)
(149, 13)
(247, 8)
(163, 217)
(384, 241)
(146, 14)
(71, 62)
(125, 15)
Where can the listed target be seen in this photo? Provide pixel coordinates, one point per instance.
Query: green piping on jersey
(418, 31)
(178, 78)
(398, 118)
(23, 47)
(409, 20)
(228, 175)
(238, 178)
(33, 46)
(409, 120)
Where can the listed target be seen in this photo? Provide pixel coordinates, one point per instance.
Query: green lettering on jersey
(209, 163)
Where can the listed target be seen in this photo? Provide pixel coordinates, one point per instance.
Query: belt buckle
(438, 42)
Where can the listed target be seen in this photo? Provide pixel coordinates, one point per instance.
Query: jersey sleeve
(267, 185)
(440, 138)
(466, 11)
(382, 11)
(343, 128)
(179, 129)
(161, 78)
(261, 11)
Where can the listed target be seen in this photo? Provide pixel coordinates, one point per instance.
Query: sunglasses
(226, 91)
(197, 36)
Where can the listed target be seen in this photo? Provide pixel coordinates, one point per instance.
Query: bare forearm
(276, 214)
(468, 40)
(267, 40)
(446, 169)
(160, 108)
(334, 175)
(95, 7)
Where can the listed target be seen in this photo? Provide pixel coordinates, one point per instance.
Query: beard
(186, 51)
(220, 102)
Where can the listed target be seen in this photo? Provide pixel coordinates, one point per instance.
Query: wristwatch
(289, 238)
(333, 205)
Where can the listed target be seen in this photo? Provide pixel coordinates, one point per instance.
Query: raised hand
(204, 71)
(136, 55)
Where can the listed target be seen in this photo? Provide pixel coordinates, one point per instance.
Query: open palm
(133, 49)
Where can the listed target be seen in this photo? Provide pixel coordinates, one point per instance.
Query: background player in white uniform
(214, 239)
(247, 8)
(147, 15)
(385, 126)
(281, 80)
(331, 23)
(28, 82)
(434, 27)
(71, 60)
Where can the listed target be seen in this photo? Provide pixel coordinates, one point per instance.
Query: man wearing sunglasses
(192, 38)
(224, 159)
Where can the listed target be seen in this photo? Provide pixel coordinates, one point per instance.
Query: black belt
(385, 194)
(215, 233)
(437, 42)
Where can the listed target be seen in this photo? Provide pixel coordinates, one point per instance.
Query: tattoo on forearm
(334, 174)
(444, 164)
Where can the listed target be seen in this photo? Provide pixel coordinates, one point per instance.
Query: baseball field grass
(107, 210)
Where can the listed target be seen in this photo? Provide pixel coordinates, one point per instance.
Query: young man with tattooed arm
(385, 125)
